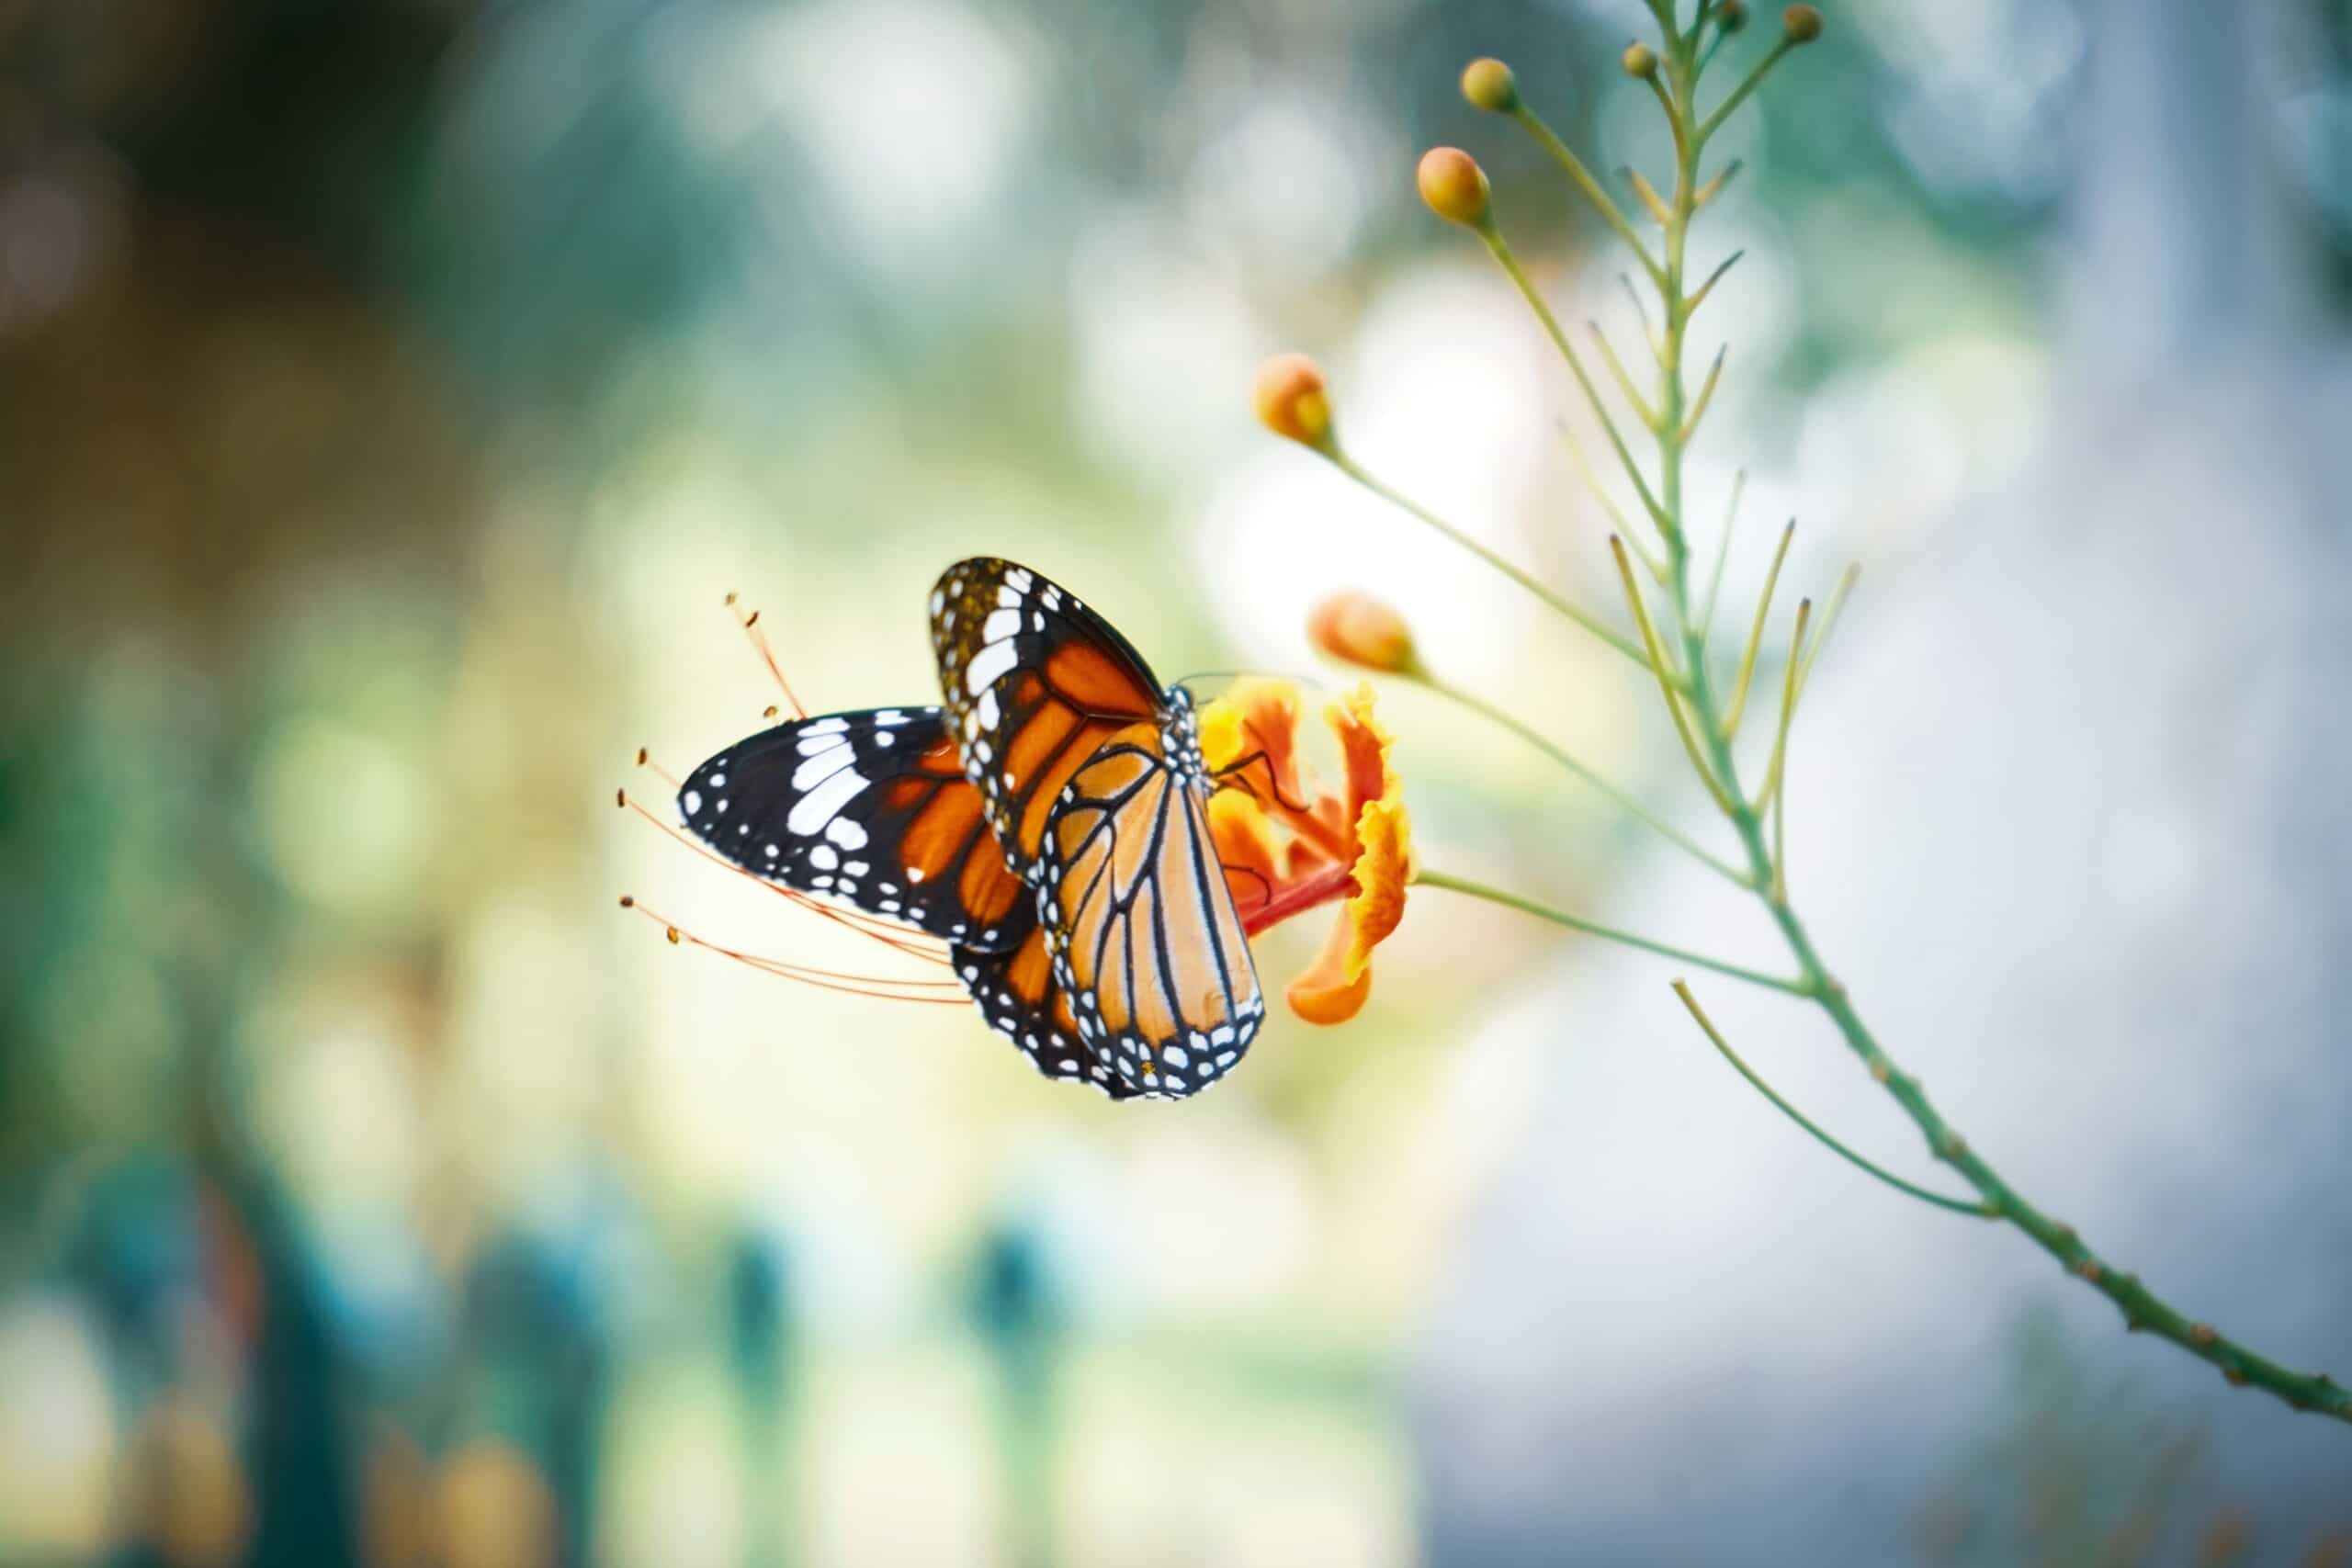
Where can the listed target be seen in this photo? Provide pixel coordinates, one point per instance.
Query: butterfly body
(1049, 821)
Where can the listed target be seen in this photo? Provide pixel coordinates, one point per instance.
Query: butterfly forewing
(1036, 682)
(872, 808)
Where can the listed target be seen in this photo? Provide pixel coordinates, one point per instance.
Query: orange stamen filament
(751, 625)
(881, 987)
(914, 944)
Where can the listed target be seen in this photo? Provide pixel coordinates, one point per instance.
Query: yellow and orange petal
(1247, 845)
(1334, 989)
(1253, 726)
(1363, 747)
(1324, 993)
(1383, 869)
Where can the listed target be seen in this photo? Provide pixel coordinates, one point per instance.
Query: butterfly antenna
(881, 986)
(751, 625)
(1265, 889)
(1232, 775)
(1311, 683)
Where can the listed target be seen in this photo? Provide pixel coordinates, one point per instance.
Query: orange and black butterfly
(1050, 822)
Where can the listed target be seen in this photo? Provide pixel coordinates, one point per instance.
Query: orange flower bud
(1489, 86)
(1802, 23)
(1640, 61)
(1454, 185)
(1292, 402)
(1356, 628)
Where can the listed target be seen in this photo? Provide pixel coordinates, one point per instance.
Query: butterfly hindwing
(1019, 996)
(1145, 937)
(872, 808)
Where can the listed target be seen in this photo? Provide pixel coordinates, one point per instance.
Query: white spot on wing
(821, 767)
(692, 801)
(816, 809)
(849, 835)
(1002, 624)
(988, 666)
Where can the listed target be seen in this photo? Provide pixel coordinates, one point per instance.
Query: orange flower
(1290, 848)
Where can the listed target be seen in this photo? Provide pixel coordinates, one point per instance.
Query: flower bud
(1292, 402)
(1640, 62)
(1731, 15)
(1802, 23)
(1355, 628)
(1489, 86)
(1454, 185)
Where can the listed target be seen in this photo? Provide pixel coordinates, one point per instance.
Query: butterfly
(1048, 821)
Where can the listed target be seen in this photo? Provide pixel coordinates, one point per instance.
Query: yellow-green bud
(1802, 23)
(1489, 86)
(1731, 15)
(1291, 400)
(1640, 61)
(1454, 185)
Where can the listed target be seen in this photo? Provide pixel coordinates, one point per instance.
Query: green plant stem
(1542, 911)
(1349, 465)
(2142, 1309)
(1707, 1026)
(1569, 761)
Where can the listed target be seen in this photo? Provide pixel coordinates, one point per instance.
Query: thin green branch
(1792, 690)
(1349, 465)
(1781, 758)
(1649, 332)
(1714, 122)
(1846, 581)
(1569, 761)
(1707, 1026)
(1510, 263)
(1648, 193)
(1640, 405)
(1582, 178)
(1722, 553)
(1665, 676)
(1675, 122)
(1706, 396)
(1714, 187)
(1699, 298)
(1756, 635)
(1427, 878)
(1591, 478)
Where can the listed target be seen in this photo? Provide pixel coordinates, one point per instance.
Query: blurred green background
(391, 391)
